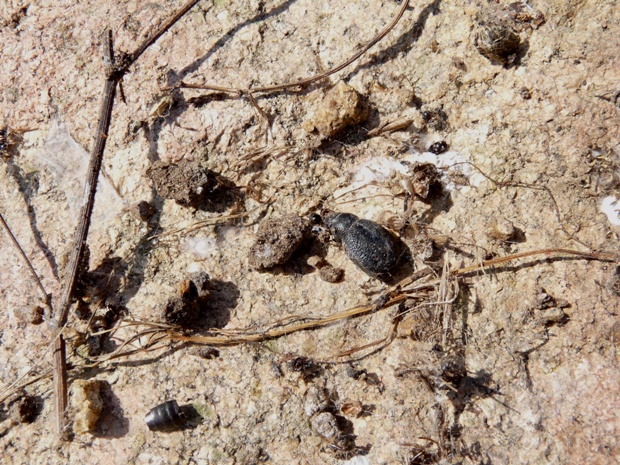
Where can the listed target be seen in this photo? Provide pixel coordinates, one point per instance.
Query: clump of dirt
(334, 430)
(342, 106)
(330, 274)
(26, 409)
(425, 176)
(86, 400)
(276, 240)
(32, 314)
(498, 43)
(327, 272)
(184, 309)
(188, 183)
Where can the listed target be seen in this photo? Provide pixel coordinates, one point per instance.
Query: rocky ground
(516, 106)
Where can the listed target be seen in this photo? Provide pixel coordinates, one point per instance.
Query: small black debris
(438, 147)
(315, 218)
(308, 368)
(525, 93)
(427, 115)
(165, 417)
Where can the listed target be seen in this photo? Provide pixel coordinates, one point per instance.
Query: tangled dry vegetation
(483, 137)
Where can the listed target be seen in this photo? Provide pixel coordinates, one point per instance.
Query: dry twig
(307, 81)
(47, 298)
(115, 71)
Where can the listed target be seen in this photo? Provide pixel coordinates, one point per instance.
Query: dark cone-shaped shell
(165, 417)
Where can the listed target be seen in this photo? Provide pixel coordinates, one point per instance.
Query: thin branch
(309, 80)
(114, 74)
(605, 257)
(46, 296)
(162, 29)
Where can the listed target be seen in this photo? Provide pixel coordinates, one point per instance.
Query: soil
(276, 241)
(518, 365)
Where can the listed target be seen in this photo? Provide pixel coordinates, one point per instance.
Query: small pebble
(32, 315)
(86, 400)
(276, 241)
(330, 274)
(143, 210)
(501, 229)
(326, 426)
(342, 106)
(315, 261)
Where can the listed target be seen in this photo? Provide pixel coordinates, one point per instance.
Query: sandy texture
(499, 376)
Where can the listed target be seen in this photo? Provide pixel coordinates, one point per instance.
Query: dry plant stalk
(409, 287)
(46, 297)
(250, 91)
(115, 71)
(417, 284)
(421, 285)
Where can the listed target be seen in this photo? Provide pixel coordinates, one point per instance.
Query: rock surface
(499, 380)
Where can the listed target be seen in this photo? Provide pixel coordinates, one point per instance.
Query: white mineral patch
(202, 247)
(68, 163)
(611, 207)
(382, 170)
(357, 460)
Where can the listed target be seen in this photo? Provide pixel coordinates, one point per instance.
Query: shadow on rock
(112, 422)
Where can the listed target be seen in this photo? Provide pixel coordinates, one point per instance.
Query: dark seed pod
(315, 218)
(165, 417)
(427, 116)
(369, 245)
(438, 147)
